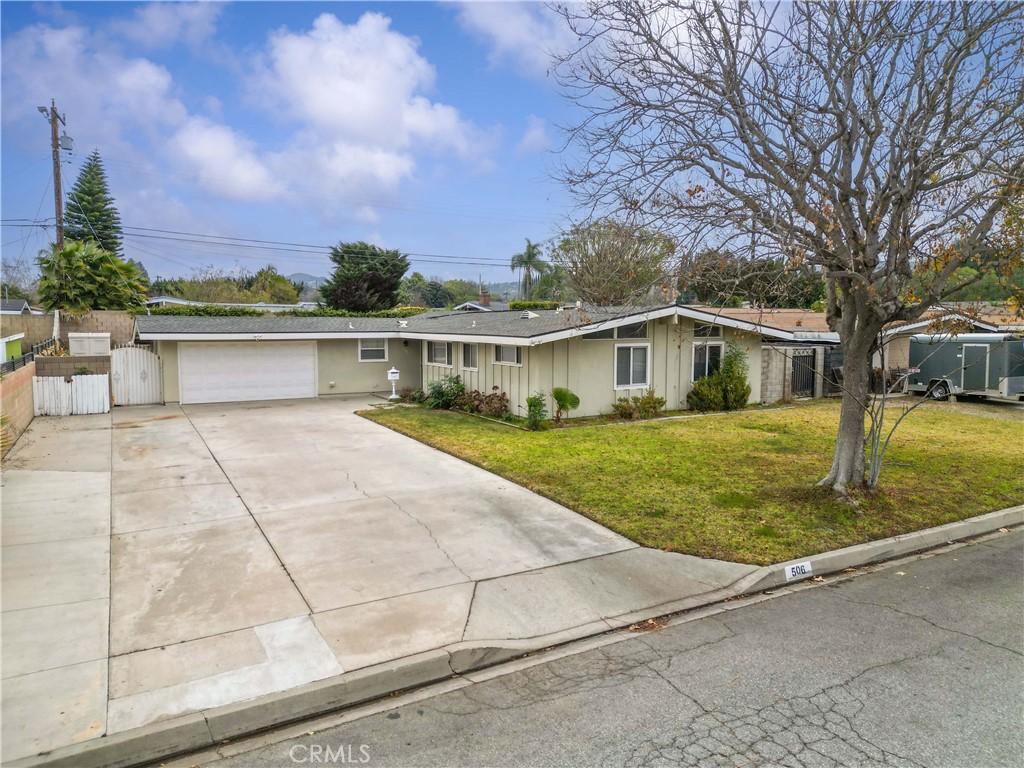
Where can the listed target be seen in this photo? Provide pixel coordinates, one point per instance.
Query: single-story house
(599, 353)
(482, 303)
(15, 307)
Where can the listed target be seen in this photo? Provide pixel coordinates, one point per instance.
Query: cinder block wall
(119, 324)
(66, 366)
(775, 374)
(16, 404)
(35, 327)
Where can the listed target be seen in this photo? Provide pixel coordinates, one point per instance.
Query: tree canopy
(608, 262)
(89, 212)
(530, 264)
(881, 143)
(366, 278)
(215, 285)
(83, 276)
(725, 279)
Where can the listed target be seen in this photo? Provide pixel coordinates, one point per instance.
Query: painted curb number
(798, 571)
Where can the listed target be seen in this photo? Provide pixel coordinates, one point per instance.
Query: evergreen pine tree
(90, 203)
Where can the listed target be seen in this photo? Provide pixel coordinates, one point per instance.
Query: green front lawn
(740, 486)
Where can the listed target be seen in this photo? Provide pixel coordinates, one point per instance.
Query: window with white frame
(373, 350)
(632, 365)
(439, 353)
(469, 356)
(704, 331)
(508, 354)
(707, 359)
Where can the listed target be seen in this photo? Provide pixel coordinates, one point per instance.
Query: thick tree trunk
(848, 461)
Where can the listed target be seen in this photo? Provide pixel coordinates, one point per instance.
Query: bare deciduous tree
(613, 263)
(878, 143)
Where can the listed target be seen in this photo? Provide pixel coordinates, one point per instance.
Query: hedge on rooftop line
(215, 310)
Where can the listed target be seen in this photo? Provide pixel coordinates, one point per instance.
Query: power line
(304, 246)
(306, 251)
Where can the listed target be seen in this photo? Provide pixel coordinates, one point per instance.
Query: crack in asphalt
(928, 621)
(807, 731)
(546, 683)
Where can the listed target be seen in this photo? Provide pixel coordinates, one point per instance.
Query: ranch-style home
(599, 353)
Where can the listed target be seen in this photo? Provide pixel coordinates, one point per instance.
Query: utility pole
(54, 117)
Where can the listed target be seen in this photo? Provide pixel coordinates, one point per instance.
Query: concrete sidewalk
(56, 584)
(232, 553)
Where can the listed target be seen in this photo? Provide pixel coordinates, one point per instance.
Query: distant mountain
(310, 280)
(501, 290)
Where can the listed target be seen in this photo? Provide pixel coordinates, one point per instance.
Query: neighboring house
(477, 306)
(12, 346)
(171, 301)
(483, 303)
(896, 336)
(14, 307)
(994, 313)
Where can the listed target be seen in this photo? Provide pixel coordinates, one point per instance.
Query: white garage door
(259, 370)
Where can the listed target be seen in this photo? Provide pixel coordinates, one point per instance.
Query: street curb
(884, 549)
(206, 729)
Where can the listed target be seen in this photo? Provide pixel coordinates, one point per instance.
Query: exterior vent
(403, 323)
(350, 326)
(528, 315)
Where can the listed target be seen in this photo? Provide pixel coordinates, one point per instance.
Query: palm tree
(531, 264)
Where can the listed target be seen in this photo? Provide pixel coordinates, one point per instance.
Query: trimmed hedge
(214, 310)
(533, 304)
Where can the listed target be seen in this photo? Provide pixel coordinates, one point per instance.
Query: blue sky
(419, 126)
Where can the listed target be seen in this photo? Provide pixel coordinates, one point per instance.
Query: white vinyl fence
(135, 376)
(86, 393)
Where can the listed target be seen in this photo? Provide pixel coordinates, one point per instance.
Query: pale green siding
(513, 380)
(168, 352)
(339, 371)
(587, 367)
(337, 362)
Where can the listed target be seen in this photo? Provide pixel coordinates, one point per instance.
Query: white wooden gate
(135, 376)
(85, 393)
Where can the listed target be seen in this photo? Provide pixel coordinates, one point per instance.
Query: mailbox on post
(393, 377)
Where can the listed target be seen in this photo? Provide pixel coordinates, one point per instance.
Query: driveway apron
(166, 560)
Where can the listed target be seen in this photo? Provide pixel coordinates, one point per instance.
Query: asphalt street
(920, 663)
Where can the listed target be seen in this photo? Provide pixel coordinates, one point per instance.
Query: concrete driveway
(166, 560)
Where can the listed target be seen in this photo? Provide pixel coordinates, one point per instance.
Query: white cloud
(525, 34)
(358, 93)
(107, 96)
(159, 25)
(224, 162)
(353, 99)
(535, 137)
(362, 83)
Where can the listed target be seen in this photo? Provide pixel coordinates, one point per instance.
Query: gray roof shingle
(506, 324)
